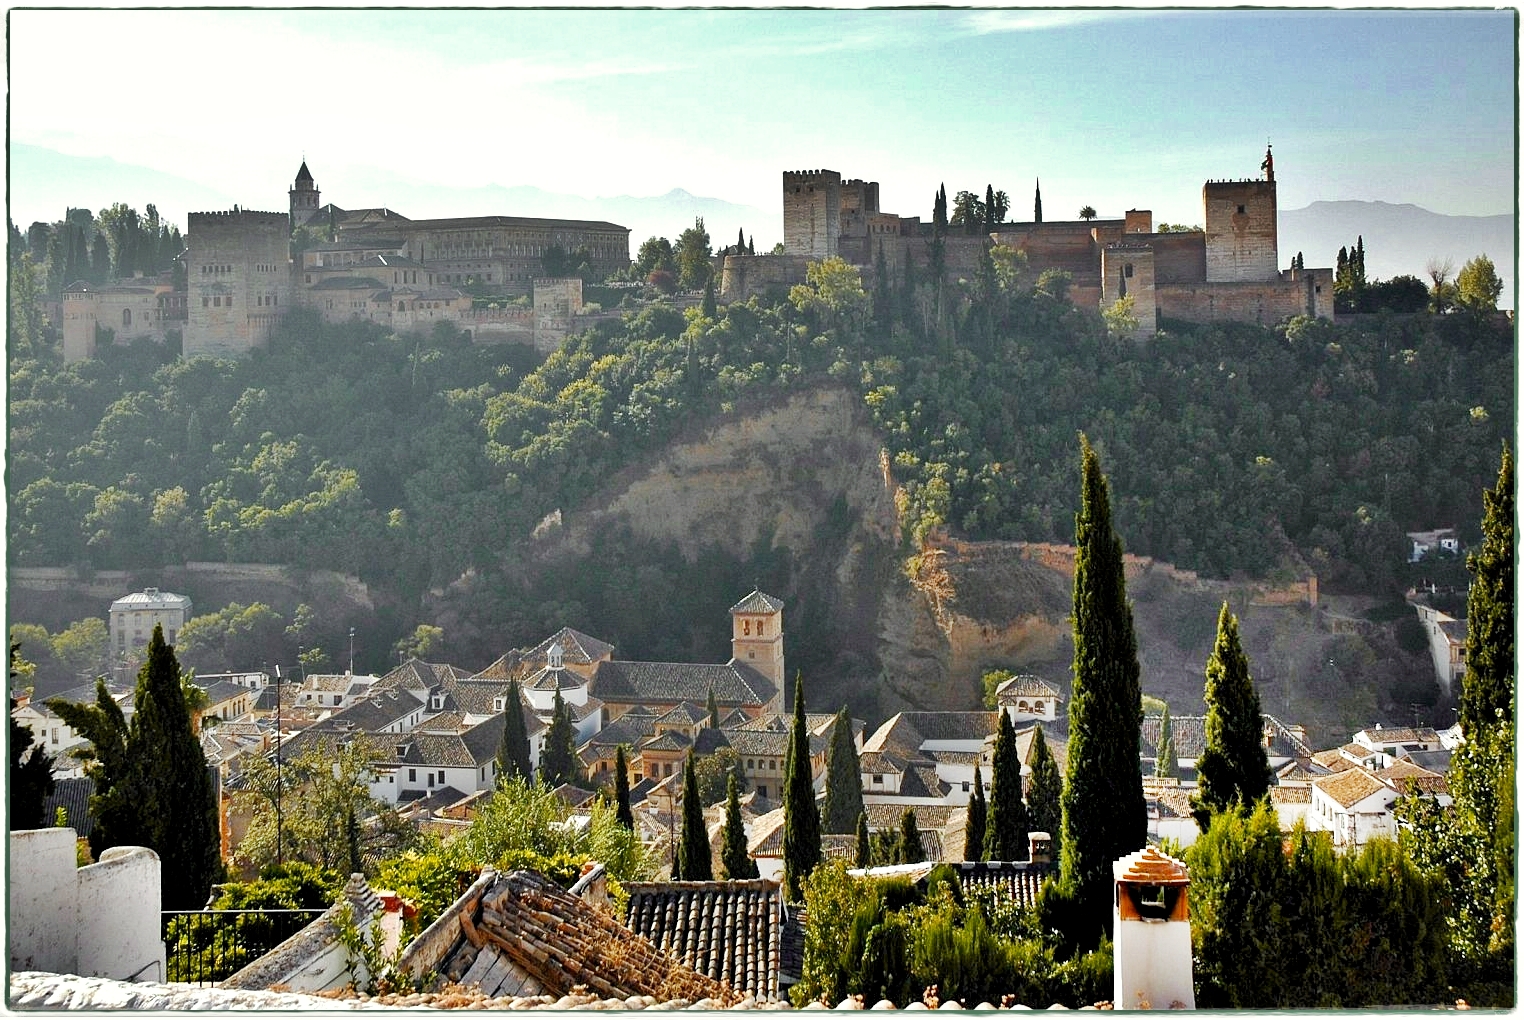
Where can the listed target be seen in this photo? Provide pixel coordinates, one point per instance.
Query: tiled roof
(1403, 774)
(327, 682)
(1018, 880)
(668, 740)
(73, 795)
(415, 674)
(729, 931)
(757, 602)
(548, 679)
(1026, 685)
(1379, 737)
(1333, 760)
(922, 781)
(223, 690)
(373, 713)
(505, 667)
(733, 683)
(883, 817)
(1437, 761)
(347, 283)
(756, 742)
(524, 222)
(1187, 731)
(576, 647)
(573, 796)
(953, 725)
(150, 599)
(880, 762)
(1350, 787)
(630, 728)
(561, 941)
(1291, 795)
(687, 712)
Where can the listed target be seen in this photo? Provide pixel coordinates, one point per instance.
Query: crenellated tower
(812, 212)
(1241, 241)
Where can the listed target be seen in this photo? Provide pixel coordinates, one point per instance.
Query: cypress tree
(711, 308)
(910, 850)
(1045, 791)
(622, 790)
(1005, 838)
(714, 710)
(1232, 769)
(174, 798)
(513, 755)
(864, 848)
(1486, 687)
(989, 208)
(733, 856)
(801, 816)
(558, 761)
(693, 863)
(844, 779)
(883, 298)
(355, 861)
(1037, 203)
(974, 829)
(1103, 813)
(1164, 764)
(31, 773)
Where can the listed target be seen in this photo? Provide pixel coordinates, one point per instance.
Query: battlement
(236, 216)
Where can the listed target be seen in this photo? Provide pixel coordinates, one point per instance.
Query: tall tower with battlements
(238, 280)
(1241, 244)
(811, 212)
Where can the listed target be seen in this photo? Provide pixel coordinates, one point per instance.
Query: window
(441, 777)
(878, 780)
(751, 764)
(126, 316)
(1240, 210)
(762, 792)
(760, 624)
(412, 775)
(746, 627)
(431, 780)
(965, 787)
(1127, 270)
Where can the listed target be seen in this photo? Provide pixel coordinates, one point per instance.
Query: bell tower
(306, 199)
(756, 635)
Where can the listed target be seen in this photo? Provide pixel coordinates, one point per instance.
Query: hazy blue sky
(1116, 109)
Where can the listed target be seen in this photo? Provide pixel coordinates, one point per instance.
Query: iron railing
(205, 946)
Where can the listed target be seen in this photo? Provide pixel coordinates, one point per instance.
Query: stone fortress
(377, 265)
(1229, 271)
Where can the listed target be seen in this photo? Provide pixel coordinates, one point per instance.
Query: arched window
(126, 316)
(746, 627)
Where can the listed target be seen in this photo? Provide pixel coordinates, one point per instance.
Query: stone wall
(1262, 303)
(746, 275)
(1179, 258)
(1240, 231)
(1127, 270)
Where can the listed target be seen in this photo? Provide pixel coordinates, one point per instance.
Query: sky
(1115, 109)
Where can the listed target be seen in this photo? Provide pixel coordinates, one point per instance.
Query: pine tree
(864, 848)
(558, 759)
(693, 863)
(1103, 813)
(175, 799)
(1232, 770)
(1005, 838)
(1045, 791)
(1165, 762)
(910, 850)
(622, 790)
(974, 828)
(1486, 687)
(513, 755)
(733, 856)
(801, 816)
(844, 779)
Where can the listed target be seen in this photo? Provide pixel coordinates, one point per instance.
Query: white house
(1028, 697)
(58, 737)
(1353, 805)
(1427, 543)
(132, 619)
(1447, 643)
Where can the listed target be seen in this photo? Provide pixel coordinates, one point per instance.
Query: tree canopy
(1233, 770)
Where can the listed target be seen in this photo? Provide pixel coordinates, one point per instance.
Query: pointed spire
(1268, 166)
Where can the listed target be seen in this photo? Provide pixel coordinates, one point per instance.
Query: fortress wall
(811, 212)
(1131, 266)
(79, 317)
(1240, 231)
(745, 275)
(1262, 303)
(1179, 258)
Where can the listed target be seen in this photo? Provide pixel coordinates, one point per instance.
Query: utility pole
(351, 651)
(279, 858)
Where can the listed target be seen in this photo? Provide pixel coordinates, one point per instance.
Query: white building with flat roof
(133, 618)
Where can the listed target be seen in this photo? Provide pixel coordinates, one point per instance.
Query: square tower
(1128, 270)
(238, 280)
(1240, 231)
(756, 635)
(811, 212)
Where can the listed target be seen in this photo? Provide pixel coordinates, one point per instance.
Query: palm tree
(1087, 212)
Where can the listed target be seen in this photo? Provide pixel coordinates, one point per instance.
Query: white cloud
(998, 21)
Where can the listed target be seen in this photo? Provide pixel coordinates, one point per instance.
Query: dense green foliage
(884, 938)
(1232, 770)
(694, 862)
(911, 849)
(1487, 687)
(1280, 924)
(734, 859)
(1103, 813)
(1005, 836)
(801, 815)
(844, 779)
(153, 785)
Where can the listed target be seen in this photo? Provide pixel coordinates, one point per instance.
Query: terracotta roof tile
(729, 931)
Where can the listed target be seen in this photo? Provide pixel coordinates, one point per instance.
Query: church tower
(305, 198)
(756, 635)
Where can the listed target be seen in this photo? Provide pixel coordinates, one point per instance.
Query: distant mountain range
(1399, 239)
